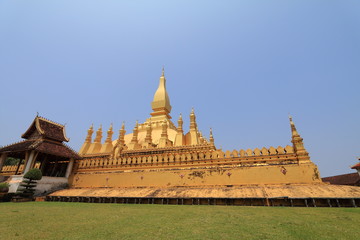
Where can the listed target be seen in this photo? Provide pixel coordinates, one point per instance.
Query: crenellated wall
(175, 157)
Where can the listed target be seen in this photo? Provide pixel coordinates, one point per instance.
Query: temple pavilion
(43, 148)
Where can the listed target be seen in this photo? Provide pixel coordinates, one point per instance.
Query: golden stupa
(158, 144)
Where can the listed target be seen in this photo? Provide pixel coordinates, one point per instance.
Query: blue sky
(243, 65)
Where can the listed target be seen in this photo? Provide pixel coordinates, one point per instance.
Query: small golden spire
(98, 134)
(193, 125)
(201, 137)
(180, 124)
(297, 140)
(135, 133)
(211, 138)
(90, 132)
(148, 138)
(164, 127)
(122, 129)
(293, 128)
(194, 138)
(109, 134)
(164, 141)
(163, 71)
(121, 139)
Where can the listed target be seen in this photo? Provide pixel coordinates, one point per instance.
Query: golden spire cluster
(158, 131)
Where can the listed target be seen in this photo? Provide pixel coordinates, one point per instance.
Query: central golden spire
(161, 102)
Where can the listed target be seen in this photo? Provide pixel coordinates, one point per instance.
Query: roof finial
(293, 128)
(163, 71)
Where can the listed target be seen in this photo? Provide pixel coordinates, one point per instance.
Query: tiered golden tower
(158, 131)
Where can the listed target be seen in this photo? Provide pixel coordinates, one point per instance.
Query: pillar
(27, 153)
(34, 161)
(3, 157)
(43, 165)
(18, 167)
(69, 167)
(30, 161)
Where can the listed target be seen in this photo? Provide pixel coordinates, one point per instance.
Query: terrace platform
(305, 195)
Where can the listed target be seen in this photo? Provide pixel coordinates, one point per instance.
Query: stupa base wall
(197, 176)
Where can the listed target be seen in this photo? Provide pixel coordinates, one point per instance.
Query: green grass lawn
(54, 220)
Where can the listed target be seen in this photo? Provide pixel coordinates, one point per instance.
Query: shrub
(12, 161)
(4, 185)
(29, 183)
(33, 174)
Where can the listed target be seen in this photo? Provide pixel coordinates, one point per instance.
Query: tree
(10, 161)
(29, 183)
